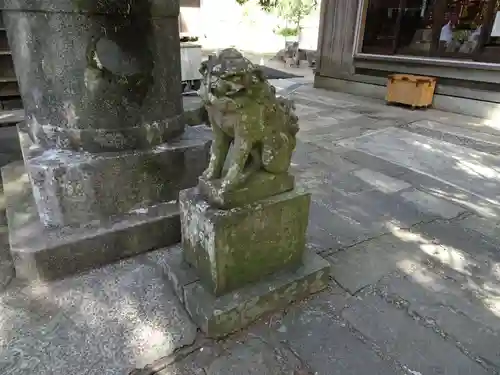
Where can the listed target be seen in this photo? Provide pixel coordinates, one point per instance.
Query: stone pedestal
(259, 185)
(241, 263)
(105, 145)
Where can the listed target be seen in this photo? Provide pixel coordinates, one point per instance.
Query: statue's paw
(208, 175)
(226, 186)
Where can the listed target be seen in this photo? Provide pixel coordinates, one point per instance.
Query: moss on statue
(232, 248)
(244, 111)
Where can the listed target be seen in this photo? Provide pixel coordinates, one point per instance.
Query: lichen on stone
(244, 112)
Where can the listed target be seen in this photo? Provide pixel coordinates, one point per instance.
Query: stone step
(41, 253)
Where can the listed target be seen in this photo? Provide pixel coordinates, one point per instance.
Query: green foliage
(267, 5)
(304, 6)
(292, 11)
(287, 31)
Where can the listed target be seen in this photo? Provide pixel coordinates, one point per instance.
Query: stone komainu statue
(244, 111)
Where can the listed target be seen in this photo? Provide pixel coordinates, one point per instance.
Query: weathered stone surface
(244, 110)
(450, 304)
(6, 264)
(339, 220)
(44, 253)
(195, 363)
(433, 204)
(107, 321)
(219, 316)
(104, 142)
(327, 231)
(194, 111)
(7, 273)
(374, 163)
(484, 226)
(380, 181)
(159, 8)
(466, 240)
(231, 248)
(471, 170)
(107, 81)
(43, 345)
(178, 272)
(452, 193)
(254, 356)
(416, 347)
(322, 339)
(73, 188)
(307, 154)
(259, 186)
(366, 263)
(485, 140)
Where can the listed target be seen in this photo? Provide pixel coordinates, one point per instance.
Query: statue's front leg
(218, 153)
(242, 148)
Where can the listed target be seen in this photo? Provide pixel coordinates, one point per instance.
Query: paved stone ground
(405, 207)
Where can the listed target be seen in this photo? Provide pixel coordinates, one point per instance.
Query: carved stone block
(259, 186)
(235, 247)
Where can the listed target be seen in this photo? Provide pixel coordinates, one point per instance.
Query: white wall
(225, 23)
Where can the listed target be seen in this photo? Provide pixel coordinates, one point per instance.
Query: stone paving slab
(366, 263)
(464, 237)
(446, 306)
(328, 232)
(415, 347)
(255, 356)
(323, 340)
(116, 317)
(453, 194)
(433, 205)
(470, 136)
(373, 163)
(349, 207)
(380, 181)
(471, 170)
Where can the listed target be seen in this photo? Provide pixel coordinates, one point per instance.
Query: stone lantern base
(116, 221)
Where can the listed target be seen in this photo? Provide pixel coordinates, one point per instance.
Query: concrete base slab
(41, 253)
(220, 316)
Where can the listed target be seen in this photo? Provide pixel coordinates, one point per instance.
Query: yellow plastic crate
(415, 91)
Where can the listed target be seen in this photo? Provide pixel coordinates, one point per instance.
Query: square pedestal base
(41, 253)
(259, 186)
(220, 316)
(232, 248)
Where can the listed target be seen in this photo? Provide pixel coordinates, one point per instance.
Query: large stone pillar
(104, 142)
